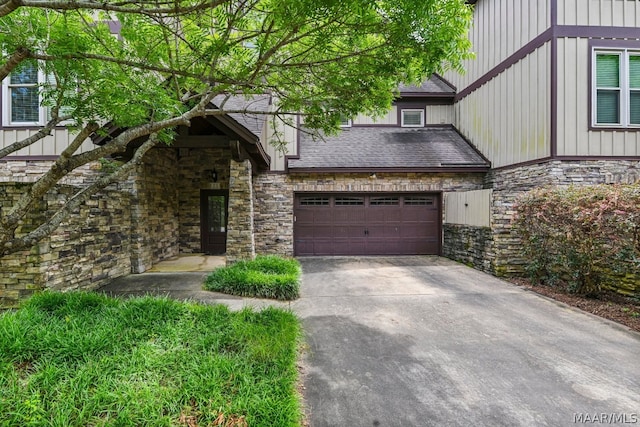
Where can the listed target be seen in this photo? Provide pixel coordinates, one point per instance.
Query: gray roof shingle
(435, 85)
(380, 147)
(252, 122)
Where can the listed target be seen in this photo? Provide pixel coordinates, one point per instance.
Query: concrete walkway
(189, 262)
(424, 341)
(182, 278)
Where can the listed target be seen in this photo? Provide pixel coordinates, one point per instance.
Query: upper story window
(21, 97)
(345, 123)
(412, 118)
(616, 88)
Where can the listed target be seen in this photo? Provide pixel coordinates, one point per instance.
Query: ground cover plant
(84, 359)
(263, 277)
(583, 238)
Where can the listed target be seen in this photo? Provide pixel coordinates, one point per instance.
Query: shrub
(580, 236)
(264, 277)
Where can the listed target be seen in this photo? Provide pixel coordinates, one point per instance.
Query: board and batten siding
(607, 13)
(391, 118)
(434, 115)
(51, 145)
(574, 136)
(500, 28)
(439, 115)
(271, 132)
(508, 119)
(468, 208)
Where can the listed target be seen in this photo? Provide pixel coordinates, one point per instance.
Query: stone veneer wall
(86, 251)
(240, 226)
(468, 245)
(274, 195)
(154, 187)
(504, 255)
(192, 164)
(273, 214)
(25, 171)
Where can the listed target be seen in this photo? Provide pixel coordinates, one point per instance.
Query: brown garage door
(367, 224)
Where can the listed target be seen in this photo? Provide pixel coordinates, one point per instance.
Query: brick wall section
(86, 251)
(469, 245)
(274, 194)
(504, 254)
(192, 178)
(240, 227)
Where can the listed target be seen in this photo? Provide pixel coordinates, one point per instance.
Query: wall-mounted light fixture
(212, 174)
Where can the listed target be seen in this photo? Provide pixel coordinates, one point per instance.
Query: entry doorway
(213, 221)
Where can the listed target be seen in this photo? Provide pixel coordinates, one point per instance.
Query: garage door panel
(418, 215)
(384, 215)
(387, 231)
(344, 246)
(305, 247)
(348, 215)
(355, 231)
(384, 247)
(322, 231)
(305, 216)
(367, 224)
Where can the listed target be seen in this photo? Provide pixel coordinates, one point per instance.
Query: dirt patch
(609, 305)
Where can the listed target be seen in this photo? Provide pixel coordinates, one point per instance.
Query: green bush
(580, 237)
(264, 277)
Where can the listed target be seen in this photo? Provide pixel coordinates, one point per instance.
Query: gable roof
(426, 149)
(435, 85)
(246, 127)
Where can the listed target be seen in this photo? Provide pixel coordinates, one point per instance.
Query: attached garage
(367, 224)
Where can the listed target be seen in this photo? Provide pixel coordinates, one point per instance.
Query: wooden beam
(201, 141)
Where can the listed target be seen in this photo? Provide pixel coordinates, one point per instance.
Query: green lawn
(83, 359)
(267, 276)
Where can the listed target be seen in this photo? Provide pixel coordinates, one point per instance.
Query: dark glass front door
(213, 221)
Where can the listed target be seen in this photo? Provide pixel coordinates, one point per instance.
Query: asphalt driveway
(424, 341)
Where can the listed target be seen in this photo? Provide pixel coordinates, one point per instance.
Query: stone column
(240, 231)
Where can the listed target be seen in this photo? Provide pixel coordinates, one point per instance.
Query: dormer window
(345, 123)
(412, 118)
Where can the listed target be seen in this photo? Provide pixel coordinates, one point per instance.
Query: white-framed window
(615, 88)
(345, 123)
(22, 103)
(22, 97)
(412, 118)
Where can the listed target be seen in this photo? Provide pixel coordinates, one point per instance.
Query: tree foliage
(580, 236)
(324, 59)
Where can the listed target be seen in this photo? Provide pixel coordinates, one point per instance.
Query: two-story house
(550, 99)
